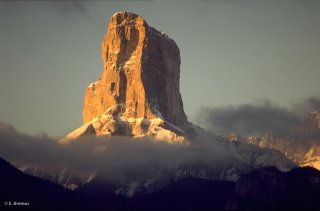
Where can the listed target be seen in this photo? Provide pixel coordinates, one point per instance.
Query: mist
(116, 159)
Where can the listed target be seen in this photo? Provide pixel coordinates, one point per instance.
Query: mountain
(184, 194)
(265, 188)
(301, 144)
(34, 193)
(137, 100)
(262, 189)
(269, 189)
(63, 176)
(138, 96)
(138, 91)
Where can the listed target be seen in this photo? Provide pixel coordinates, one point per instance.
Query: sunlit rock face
(138, 90)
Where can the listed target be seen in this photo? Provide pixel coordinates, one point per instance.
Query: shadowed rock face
(141, 74)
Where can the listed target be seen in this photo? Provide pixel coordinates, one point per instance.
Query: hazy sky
(232, 52)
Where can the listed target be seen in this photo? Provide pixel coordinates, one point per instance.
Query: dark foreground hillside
(262, 189)
(17, 187)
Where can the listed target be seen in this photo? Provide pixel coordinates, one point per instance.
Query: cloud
(117, 158)
(66, 8)
(122, 161)
(306, 106)
(258, 118)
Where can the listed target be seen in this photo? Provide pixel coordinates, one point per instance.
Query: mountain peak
(140, 80)
(125, 18)
(121, 15)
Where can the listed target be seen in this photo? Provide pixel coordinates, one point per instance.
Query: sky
(233, 52)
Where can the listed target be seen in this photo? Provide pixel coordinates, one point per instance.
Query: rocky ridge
(301, 145)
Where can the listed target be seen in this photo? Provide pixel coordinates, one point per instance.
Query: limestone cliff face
(137, 93)
(141, 74)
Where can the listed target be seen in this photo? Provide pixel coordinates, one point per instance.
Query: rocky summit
(137, 93)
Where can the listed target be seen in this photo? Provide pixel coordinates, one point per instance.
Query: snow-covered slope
(108, 124)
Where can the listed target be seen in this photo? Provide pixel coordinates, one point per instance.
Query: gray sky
(232, 51)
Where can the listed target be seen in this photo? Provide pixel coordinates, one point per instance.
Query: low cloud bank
(116, 158)
(257, 119)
